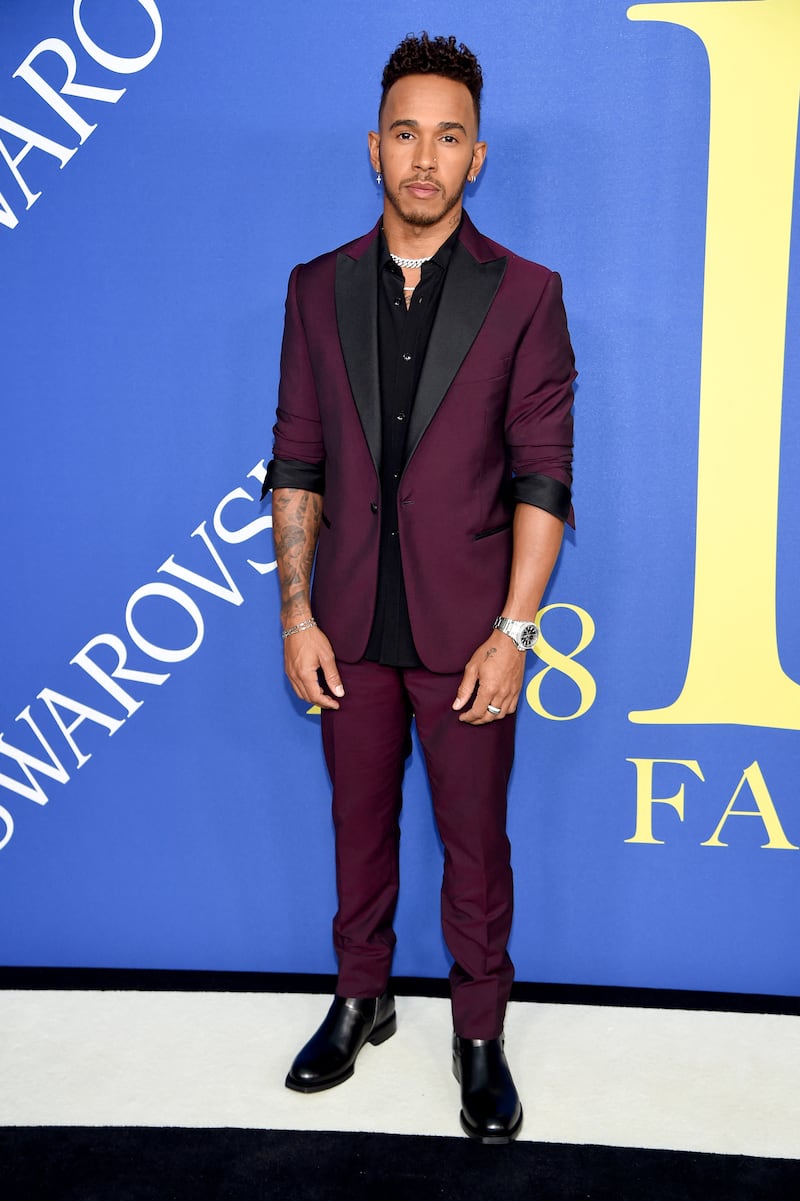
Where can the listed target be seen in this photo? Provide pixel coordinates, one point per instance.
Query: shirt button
(397, 475)
(397, 302)
(373, 506)
(406, 357)
(401, 416)
(394, 533)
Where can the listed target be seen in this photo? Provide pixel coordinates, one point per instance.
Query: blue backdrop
(163, 166)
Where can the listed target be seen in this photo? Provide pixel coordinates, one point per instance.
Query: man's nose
(425, 157)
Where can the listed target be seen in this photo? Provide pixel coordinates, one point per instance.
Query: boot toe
(329, 1057)
(491, 1126)
(313, 1078)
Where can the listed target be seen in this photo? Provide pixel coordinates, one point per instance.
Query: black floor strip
(144, 1164)
(154, 980)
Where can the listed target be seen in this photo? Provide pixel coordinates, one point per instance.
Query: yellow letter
(734, 673)
(645, 799)
(765, 809)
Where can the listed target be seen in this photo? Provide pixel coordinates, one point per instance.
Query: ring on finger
(495, 712)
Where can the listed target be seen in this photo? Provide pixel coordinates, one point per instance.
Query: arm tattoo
(296, 517)
(491, 651)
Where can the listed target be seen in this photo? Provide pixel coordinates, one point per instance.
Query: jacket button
(373, 506)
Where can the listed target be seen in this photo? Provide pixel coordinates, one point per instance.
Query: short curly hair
(424, 55)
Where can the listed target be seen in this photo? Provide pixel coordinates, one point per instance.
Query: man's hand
(497, 668)
(307, 656)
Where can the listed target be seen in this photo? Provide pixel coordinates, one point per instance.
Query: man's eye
(448, 137)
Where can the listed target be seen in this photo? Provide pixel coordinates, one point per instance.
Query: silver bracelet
(303, 625)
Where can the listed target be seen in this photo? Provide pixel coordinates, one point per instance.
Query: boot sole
(379, 1035)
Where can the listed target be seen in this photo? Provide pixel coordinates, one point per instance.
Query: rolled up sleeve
(292, 473)
(539, 412)
(298, 449)
(545, 493)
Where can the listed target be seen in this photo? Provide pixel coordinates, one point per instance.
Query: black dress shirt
(403, 336)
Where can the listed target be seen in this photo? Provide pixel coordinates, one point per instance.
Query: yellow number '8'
(564, 663)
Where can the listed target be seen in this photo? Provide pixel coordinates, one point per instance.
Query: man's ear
(374, 140)
(478, 157)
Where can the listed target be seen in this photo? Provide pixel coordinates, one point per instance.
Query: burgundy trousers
(366, 744)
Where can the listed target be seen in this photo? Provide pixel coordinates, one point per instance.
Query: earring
(472, 178)
(379, 179)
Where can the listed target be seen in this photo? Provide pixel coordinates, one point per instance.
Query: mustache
(421, 179)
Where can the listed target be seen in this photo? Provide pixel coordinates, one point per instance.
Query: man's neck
(417, 241)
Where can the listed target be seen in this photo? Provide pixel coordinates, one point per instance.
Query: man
(423, 455)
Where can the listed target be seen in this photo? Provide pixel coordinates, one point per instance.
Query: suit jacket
(494, 402)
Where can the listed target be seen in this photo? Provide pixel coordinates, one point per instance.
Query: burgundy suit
(493, 402)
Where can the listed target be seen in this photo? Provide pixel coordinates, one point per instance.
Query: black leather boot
(490, 1108)
(328, 1058)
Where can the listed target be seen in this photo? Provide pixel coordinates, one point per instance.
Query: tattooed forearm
(296, 517)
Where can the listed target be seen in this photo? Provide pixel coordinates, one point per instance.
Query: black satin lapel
(469, 289)
(357, 318)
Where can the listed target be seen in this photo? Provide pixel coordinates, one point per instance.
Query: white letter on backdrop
(50, 96)
(168, 592)
(113, 62)
(31, 139)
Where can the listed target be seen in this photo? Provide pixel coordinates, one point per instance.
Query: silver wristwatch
(522, 633)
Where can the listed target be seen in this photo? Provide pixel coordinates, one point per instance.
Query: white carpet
(681, 1080)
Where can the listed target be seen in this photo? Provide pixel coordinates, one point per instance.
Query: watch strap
(522, 633)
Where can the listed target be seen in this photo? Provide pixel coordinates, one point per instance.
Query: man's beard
(423, 218)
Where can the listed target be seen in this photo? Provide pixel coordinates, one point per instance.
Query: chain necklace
(412, 264)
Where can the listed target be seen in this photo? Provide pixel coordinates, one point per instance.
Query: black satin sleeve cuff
(293, 473)
(545, 493)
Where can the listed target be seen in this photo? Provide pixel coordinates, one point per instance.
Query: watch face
(528, 636)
